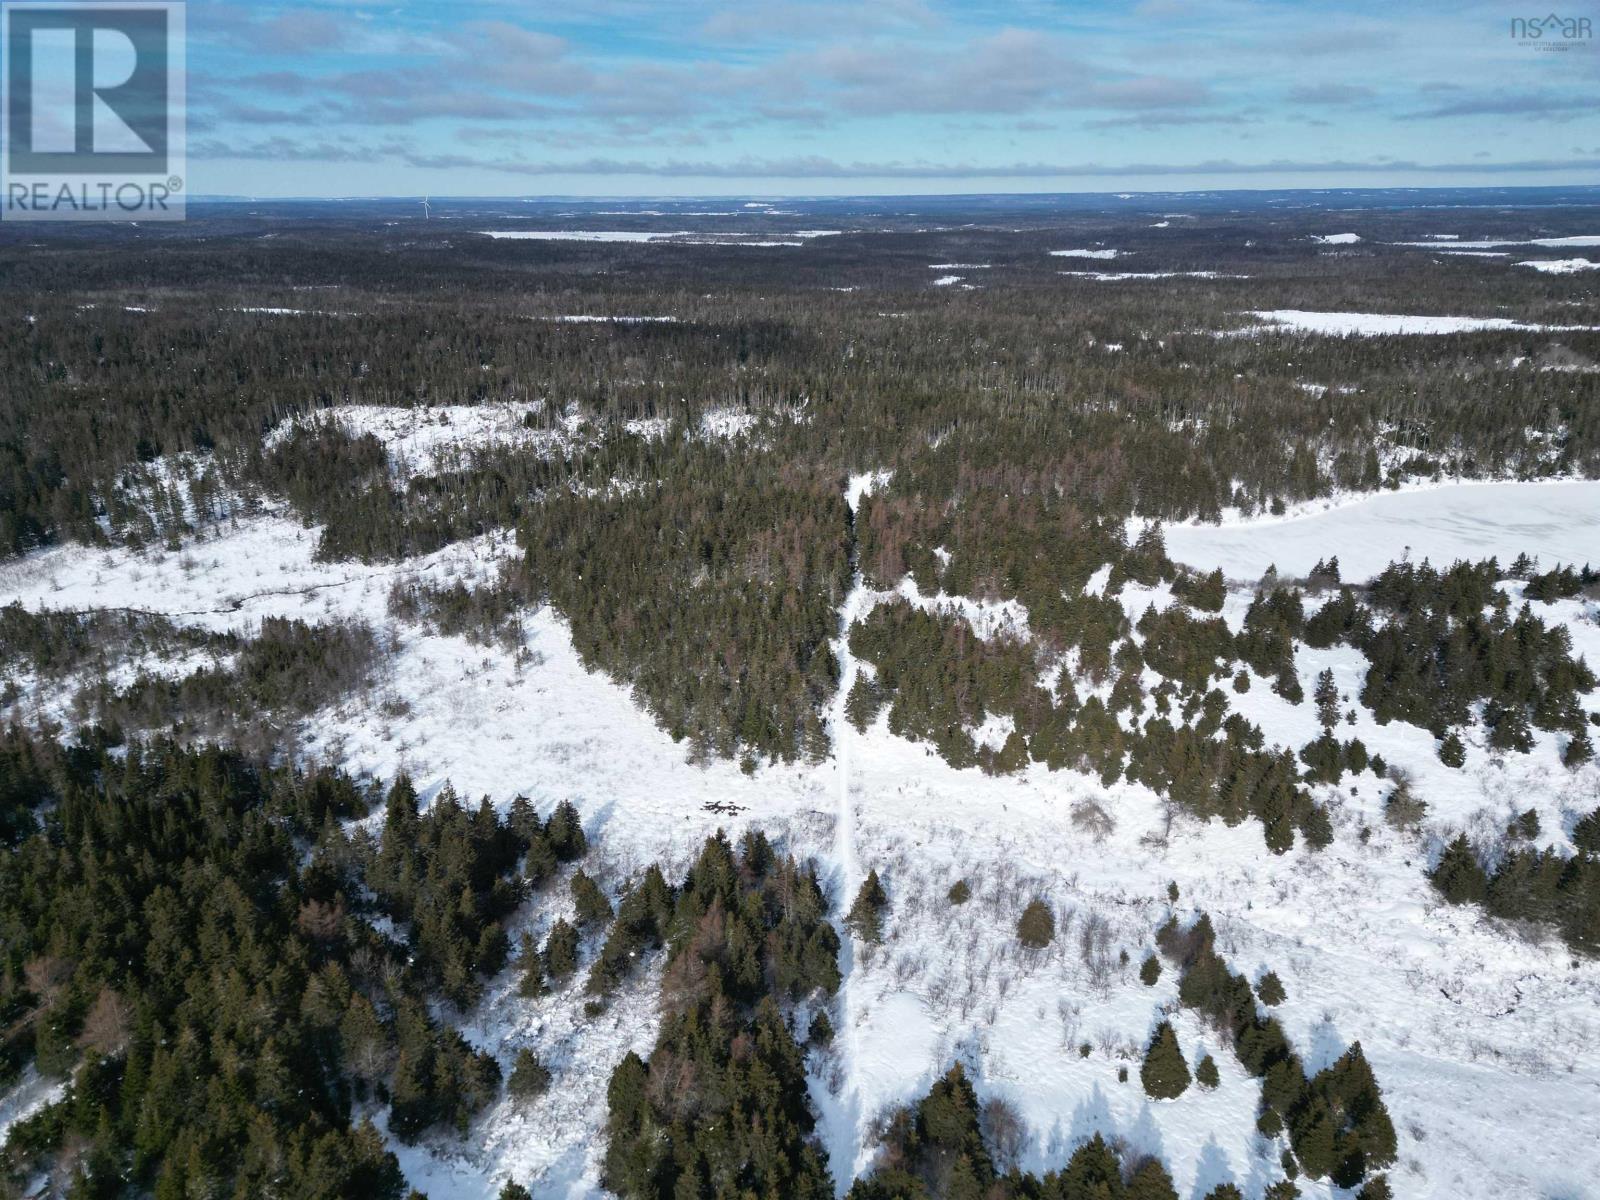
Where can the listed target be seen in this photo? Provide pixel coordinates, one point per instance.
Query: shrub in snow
(1270, 989)
(529, 1076)
(1402, 809)
(1036, 928)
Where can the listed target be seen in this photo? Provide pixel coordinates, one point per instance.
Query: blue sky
(665, 97)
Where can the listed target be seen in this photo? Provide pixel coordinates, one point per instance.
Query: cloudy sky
(661, 97)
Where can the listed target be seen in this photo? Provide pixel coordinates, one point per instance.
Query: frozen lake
(1557, 522)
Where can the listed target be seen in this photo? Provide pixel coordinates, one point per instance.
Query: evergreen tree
(1150, 1181)
(1165, 1074)
(1586, 833)
(531, 983)
(1326, 697)
(530, 1078)
(561, 950)
(1270, 989)
(1578, 750)
(1150, 970)
(1459, 876)
(592, 906)
(565, 833)
(1206, 1073)
(865, 919)
(1452, 752)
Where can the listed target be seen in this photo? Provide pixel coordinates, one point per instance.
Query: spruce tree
(865, 918)
(531, 984)
(1150, 1181)
(592, 906)
(530, 1078)
(1452, 751)
(1586, 833)
(1578, 751)
(1326, 696)
(1165, 1074)
(1270, 989)
(1206, 1073)
(1150, 970)
(561, 950)
(565, 833)
(862, 704)
(1459, 877)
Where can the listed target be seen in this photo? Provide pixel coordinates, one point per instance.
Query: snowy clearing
(1558, 522)
(1347, 324)
(1560, 266)
(426, 440)
(1336, 239)
(1586, 239)
(1113, 276)
(1086, 253)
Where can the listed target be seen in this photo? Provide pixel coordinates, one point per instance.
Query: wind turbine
(427, 212)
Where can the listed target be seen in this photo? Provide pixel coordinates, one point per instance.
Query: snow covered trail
(841, 1115)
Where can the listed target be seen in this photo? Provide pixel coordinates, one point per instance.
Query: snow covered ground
(1113, 276)
(1346, 324)
(790, 237)
(1481, 1039)
(1557, 522)
(1561, 266)
(1551, 243)
(425, 440)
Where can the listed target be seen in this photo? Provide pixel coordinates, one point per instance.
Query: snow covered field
(1557, 522)
(1561, 266)
(1482, 1040)
(1345, 324)
(790, 237)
